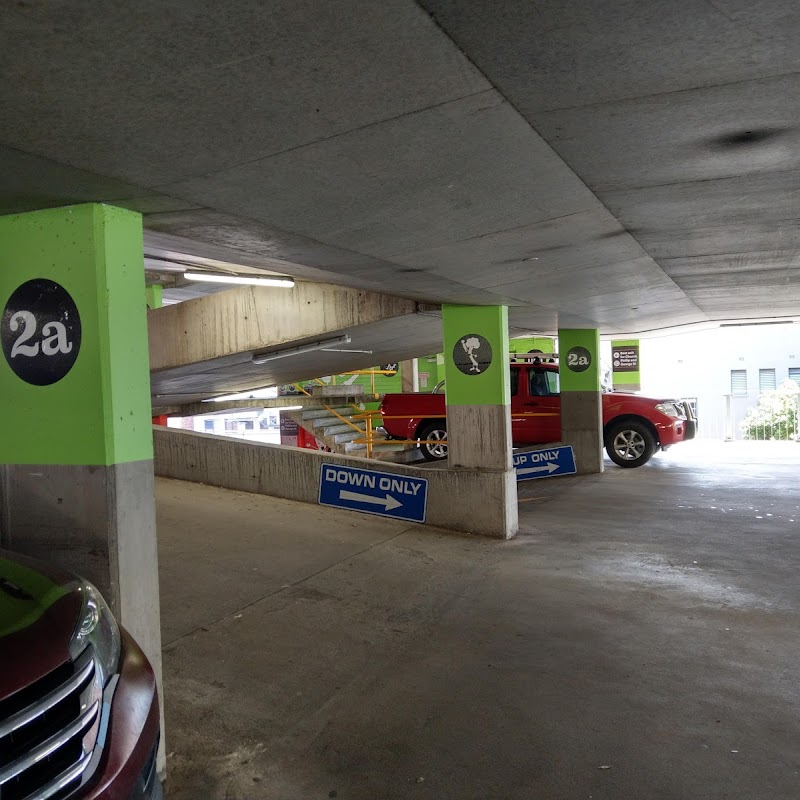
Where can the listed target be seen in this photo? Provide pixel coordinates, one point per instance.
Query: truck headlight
(97, 626)
(668, 409)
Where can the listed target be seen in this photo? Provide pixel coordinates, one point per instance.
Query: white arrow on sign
(388, 502)
(548, 467)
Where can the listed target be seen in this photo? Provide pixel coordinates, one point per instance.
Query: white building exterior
(721, 368)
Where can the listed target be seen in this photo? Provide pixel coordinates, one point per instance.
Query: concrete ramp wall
(481, 503)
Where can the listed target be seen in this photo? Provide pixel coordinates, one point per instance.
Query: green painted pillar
(477, 390)
(76, 455)
(154, 295)
(581, 398)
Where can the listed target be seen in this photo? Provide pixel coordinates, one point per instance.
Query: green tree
(776, 415)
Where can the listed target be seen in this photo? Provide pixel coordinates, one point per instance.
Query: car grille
(48, 733)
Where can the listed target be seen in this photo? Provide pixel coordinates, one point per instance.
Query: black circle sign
(472, 354)
(579, 359)
(40, 332)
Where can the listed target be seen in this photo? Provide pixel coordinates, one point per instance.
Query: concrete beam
(251, 318)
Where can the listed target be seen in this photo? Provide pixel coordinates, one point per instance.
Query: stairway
(334, 425)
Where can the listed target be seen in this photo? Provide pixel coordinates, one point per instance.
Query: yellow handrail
(301, 389)
(340, 417)
(370, 372)
(365, 414)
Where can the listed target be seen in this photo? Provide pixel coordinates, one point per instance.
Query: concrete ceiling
(630, 164)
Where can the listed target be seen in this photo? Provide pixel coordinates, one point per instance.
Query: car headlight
(668, 409)
(97, 626)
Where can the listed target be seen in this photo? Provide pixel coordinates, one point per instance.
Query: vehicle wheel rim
(629, 445)
(438, 450)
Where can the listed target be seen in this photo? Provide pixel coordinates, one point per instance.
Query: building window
(794, 374)
(208, 424)
(738, 381)
(766, 380)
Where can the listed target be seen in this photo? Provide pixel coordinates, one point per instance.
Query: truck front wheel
(630, 443)
(432, 438)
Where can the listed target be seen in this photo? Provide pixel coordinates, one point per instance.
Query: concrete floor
(639, 639)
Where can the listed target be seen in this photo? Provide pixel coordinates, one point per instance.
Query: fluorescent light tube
(343, 350)
(243, 280)
(263, 358)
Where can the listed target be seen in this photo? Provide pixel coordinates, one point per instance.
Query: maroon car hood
(39, 608)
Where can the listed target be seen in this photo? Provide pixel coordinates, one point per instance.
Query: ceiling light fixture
(241, 280)
(263, 358)
(344, 350)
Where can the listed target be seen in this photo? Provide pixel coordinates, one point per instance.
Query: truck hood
(39, 608)
(633, 396)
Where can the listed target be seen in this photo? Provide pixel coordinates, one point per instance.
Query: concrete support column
(406, 376)
(76, 454)
(409, 375)
(581, 399)
(479, 401)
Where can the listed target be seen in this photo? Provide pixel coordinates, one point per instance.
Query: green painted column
(477, 390)
(76, 455)
(581, 398)
(154, 296)
(84, 400)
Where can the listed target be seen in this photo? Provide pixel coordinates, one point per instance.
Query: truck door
(542, 422)
(519, 395)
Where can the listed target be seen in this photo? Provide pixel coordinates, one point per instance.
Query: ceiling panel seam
(498, 231)
(264, 158)
(622, 189)
(639, 97)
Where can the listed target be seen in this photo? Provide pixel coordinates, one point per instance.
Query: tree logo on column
(472, 354)
(579, 359)
(40, 332)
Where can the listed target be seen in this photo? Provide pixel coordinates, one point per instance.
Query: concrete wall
(482, 503)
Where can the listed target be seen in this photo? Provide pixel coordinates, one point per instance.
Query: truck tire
(434, 430)
(630, 443)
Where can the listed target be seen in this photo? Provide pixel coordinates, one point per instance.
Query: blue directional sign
(386, 494)
(544, 463)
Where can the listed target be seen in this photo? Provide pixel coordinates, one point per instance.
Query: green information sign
(625, 365)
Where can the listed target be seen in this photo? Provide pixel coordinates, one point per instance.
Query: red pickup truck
(634, 427)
